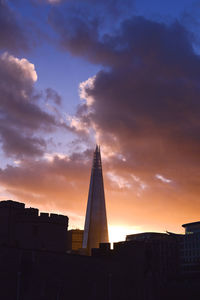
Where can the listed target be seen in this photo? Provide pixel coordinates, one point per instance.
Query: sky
(124, 74)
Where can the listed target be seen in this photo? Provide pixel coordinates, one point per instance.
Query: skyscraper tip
(97, 149)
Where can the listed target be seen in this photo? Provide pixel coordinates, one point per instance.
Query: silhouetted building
(104, 250)
(161, 252)
(96, 229)
(74, 240)
(135, 269)
(190, 249)
(26, 228)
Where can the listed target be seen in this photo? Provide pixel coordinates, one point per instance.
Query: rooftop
(191, 224)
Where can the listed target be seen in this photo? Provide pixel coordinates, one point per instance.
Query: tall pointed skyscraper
(96, 228)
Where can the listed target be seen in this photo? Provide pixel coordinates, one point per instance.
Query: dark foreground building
(34, 263)
(162, 251)
(27, 228)
(124, 273)
(44, 275)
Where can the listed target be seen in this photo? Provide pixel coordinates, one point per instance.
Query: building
(161, 252)
(140, 268)
(74, 240)
(190, 249)
(95, 229)
(25, 228)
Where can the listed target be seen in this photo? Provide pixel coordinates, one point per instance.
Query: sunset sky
(121, 73)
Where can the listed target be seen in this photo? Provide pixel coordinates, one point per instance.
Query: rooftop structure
(193, 227)
(96, 229)
(145, 236)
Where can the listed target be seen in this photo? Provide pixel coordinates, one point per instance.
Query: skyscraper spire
(96, 229)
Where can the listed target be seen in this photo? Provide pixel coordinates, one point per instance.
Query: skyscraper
(96, 229)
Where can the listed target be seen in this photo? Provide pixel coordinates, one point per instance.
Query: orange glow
(61, 186)
(117, 233)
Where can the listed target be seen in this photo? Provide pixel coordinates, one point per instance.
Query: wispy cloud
(163, 179)
(119, 181)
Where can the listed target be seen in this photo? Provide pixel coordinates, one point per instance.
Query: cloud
(84, 28)
(53, 95)
(15, 144)
(54, 181)
(13, 37)
(145, 103)
(21, 116)
(154, 92)
(23, 65)
(142, 107)
(83, 86)
(54, 184)
(163, 179)
(119, 181)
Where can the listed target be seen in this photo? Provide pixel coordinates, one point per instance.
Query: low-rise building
(74, 240)
(161, 252)
(27, 228)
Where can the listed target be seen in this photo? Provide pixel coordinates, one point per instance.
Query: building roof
(191, 224)
(146, 235)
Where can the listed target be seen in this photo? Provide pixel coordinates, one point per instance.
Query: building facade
(190, 249)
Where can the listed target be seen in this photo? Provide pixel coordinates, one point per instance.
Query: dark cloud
(21, 116)
(81, 37)
(53, 96)
(84, 28)
(146, 105)
(127, 45)
(12, 33)
(18, 145)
